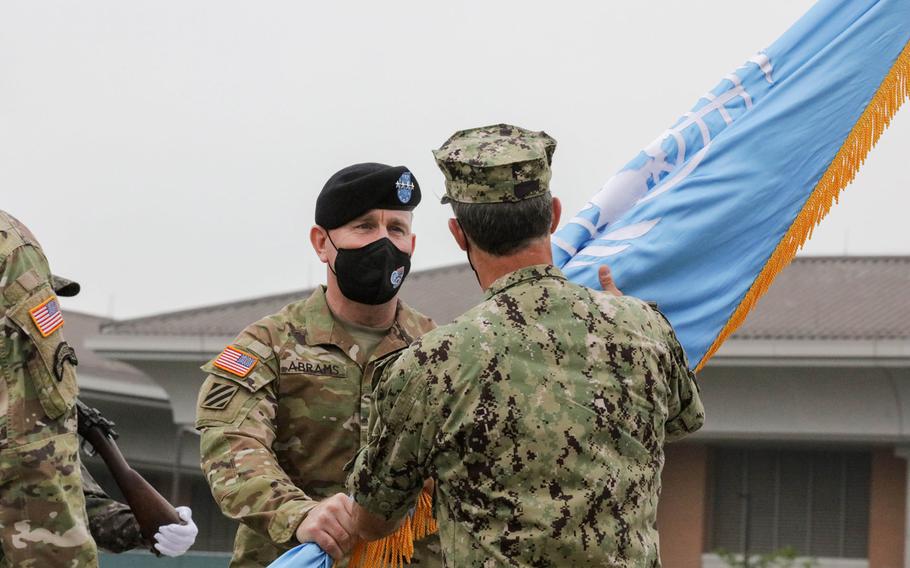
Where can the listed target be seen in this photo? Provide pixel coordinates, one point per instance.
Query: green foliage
(782, 558)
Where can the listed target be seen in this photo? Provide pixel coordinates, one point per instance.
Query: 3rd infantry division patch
(219, 396)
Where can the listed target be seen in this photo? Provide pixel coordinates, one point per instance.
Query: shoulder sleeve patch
(219, 396)
(235, 361)
(47, 316)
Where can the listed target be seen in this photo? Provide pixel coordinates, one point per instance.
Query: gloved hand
(174, 540)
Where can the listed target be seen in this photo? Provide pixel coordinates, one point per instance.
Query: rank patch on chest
(47, 316)
(235, 361)
(219, 396)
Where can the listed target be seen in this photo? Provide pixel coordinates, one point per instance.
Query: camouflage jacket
(542, 414)
(36, 362)
(276, 440)
(42, 508)
(112, 523)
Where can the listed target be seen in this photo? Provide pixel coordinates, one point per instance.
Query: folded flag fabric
(703, 219)
(307, 555)
(392, 551)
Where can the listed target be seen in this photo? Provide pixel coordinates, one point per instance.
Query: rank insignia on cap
(397, 277)
(236, 361)
(47, 316)
(405, 187)
(219, 396)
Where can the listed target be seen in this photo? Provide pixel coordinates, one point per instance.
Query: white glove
(174, 540)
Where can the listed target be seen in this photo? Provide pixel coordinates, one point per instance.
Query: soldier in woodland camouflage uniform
(112, 523)
(42, 509)
(541, 413)
(284, 407)
(115, 528)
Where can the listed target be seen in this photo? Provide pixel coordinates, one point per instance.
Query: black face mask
(371, 274)
(467, 251)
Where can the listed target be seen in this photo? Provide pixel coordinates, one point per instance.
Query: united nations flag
(704, 218)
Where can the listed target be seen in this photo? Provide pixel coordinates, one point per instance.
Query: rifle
(149, 507)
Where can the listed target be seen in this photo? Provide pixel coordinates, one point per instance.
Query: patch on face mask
(405, 187)
(396, 277)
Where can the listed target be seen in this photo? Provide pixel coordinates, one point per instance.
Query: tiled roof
(80, 326)
(441, 293)
(814, 298)
(835, 298)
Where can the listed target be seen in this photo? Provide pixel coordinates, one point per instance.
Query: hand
(606, 281)
(330, 525)
(176, 539)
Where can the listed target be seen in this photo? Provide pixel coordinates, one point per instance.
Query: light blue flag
(703, 218)
(307, 555)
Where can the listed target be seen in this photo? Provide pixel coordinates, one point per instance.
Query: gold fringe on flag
(891, 94)
(397, 549)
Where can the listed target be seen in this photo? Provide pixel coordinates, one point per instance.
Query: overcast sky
(168, 154)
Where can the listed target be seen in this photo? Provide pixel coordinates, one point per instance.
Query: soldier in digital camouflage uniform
(42, 509)
(541, 413)
(284, 407)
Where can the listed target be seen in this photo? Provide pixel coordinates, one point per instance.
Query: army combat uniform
(282, 412)
(42, 508)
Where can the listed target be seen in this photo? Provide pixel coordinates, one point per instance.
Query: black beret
(356, 189)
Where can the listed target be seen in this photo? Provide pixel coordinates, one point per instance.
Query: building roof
(100, 373)
(442, 293)
(814, 298)
(861, 297)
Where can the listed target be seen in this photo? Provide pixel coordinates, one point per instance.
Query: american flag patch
(47, 316)
(236, 361)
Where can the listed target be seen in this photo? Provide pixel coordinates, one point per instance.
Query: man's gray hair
(505, 228)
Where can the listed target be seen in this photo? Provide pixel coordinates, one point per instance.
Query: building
(805, 443)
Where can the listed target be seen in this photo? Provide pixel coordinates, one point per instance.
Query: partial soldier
(541, 413)
(115, 528)
(42, 508)
(112, 523)
(285, 405)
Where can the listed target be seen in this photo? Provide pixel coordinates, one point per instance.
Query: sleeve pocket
(52, 365)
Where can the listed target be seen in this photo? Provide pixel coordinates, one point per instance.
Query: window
(815, 502)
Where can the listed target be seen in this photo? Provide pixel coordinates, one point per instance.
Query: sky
(168, 154)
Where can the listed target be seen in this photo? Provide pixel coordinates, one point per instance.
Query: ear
(557, 213)
(459, 235)
(413, 243)
(320, 240)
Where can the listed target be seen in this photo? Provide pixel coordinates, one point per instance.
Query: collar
(323, 329)
(528, 273)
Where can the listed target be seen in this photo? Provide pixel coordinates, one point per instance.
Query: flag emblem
(405, 187)
(47, 316)
(236, 361)
(735, 186)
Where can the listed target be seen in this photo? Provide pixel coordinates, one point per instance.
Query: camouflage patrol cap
(495, 164)
(64, 286)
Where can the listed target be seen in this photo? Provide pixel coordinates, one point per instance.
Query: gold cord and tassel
(891, 94)
(397, 549)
